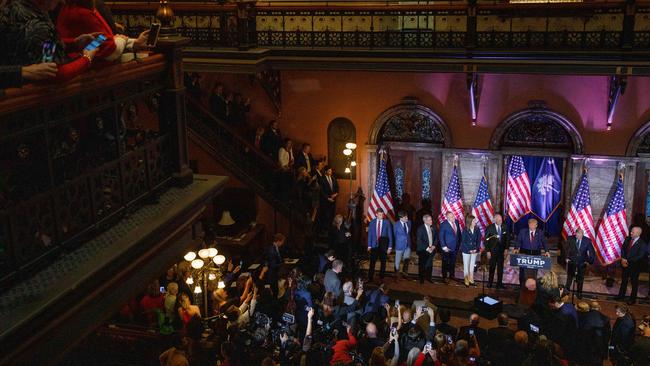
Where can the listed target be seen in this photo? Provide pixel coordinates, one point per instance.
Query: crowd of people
(36, 46)
(328, 315)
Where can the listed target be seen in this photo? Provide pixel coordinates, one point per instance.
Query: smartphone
(425, 309)
(393, 331)
(472, 359)
(162, 289)
(95, 43)
(241, 264)
(427, 347)
(449, 340)
(396, 304)
(534, 328)
(471, 332)
(154, 32)
(47, 53)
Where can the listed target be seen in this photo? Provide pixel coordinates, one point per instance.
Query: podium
(530, 261)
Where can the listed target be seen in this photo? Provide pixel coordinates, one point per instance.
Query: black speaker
(487, 307)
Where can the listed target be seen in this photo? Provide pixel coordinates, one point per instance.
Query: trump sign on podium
(530, 261)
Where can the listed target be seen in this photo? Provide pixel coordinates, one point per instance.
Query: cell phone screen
(154, 31)
(96, 42)
(534, 328)
(47, 54)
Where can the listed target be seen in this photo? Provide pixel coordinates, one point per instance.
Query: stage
(594, 285)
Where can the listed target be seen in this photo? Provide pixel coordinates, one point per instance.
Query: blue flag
(547, 190)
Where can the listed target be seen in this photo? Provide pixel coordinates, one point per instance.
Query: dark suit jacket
(480, 333)
(623, 333)
(273, 260)
(422, 239)
(385, 239)
(470, 240)
(636, 254)
(495, 245)
(586, 254)
(325, 188)
(523, 240)
(498, 338)
(449, 238)
(271, 143)
(301, 161)
(447, 329)
(337, 236)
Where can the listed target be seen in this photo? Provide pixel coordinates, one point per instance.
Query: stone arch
(640, 142)
(537, 127)
(410, 122)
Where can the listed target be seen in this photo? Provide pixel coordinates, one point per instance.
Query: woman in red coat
(81, 17)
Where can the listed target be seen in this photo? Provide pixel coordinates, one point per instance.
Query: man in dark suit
(594, 330)
(380, 243)
(272, 140)
(274, 262)
(449, 241)
(622, 334)
(579, 252)
(496, 243)
(633, 253)
(305, 159)
(329, 190)
(426, 244)
(499, 338)
(473, 329)
(530, 241)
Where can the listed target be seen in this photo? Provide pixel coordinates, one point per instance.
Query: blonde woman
(470, 245)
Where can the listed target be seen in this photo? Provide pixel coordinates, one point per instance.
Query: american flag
(517, 189)
(613, 227)
(482, 208)
(381, 197)
(453, 201)
(579, 216)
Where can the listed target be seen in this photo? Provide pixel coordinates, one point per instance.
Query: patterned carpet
(30, 295)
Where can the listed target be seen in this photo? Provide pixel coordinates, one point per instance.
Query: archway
(537, 127)
(415, 136)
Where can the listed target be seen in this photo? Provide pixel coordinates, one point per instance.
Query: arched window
(339, 132)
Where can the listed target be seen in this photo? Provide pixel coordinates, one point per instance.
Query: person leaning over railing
(28, 36)
(79, 17)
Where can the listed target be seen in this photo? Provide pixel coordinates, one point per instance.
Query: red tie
(378, 230)
(629, 246)
(453, 226)
(532, 238)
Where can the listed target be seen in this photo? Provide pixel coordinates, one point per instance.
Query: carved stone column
(172, 107)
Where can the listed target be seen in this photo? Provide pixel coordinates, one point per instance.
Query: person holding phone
(79, 17)
(26, 27)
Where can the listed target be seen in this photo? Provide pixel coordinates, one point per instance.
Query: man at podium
(530, 241)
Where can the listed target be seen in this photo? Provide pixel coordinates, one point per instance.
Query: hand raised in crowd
(140, 43)
(310, 313)
(37, 72)
(431, 314)
(433, 354)
(284, 337)
(418, 312)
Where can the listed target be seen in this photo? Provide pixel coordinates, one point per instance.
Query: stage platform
(595, 277)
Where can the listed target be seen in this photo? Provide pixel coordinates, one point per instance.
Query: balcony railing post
(470, 35)
(172, 107)
(628, 24)
(246, 25)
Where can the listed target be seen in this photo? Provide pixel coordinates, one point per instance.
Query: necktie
(406, 230)
(453, 226)
(629, 245)
(578, 244)
(308, 162)
(429, 236)
(329, 180)
(378, 230)
(499, 231)
(532, 238)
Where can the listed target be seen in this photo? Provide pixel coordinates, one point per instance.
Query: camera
(471, 332)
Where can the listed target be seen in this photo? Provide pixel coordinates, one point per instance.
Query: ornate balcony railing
(453, 25)
(77, 156)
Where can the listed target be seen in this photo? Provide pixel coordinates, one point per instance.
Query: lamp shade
(347, 152)
(226, 219)
(212, 252)
(347, 170)
(197, 263)
(351, 145)
(189, 281)
(353, 163)
(221, 284)
(204, 253)
(190, 256)
(197, 290)
(219, 260)
(212, 276)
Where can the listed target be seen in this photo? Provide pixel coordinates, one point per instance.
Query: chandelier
(205, 269)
